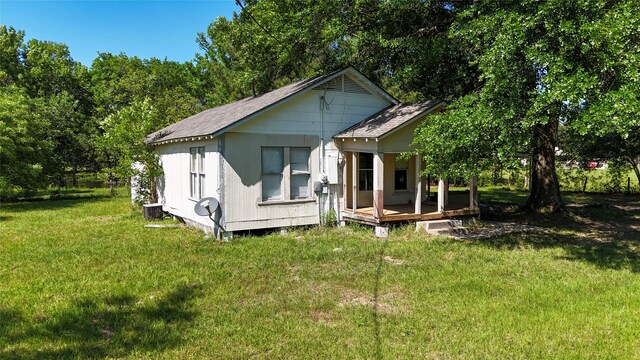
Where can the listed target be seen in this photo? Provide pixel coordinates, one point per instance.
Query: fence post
(584, 186)
(628, 184)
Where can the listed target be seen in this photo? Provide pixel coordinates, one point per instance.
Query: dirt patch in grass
(495, 228)
(393, 261)
(381, 303)
(604, 218)
(599, 229)
(322, 317)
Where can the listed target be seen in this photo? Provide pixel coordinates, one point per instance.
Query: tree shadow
(605, 235)
(615, 255)
(51, 204)
(118, 326)
(376, 301)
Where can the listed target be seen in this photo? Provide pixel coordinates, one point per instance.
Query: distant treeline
(521, 77)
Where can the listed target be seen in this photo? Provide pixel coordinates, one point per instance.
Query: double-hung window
(285, 173)
(197, 172)
(300, 174)
(272, 173)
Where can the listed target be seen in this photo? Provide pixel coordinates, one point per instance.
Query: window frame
(286, 176)
(399, 166)
(263, 173)
(197, 177)
(367, 181)
(300, 173)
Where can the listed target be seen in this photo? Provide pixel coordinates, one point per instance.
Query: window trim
(397, 168)
(286, 175)
(361, 169)
(197, 175)
(263, 173)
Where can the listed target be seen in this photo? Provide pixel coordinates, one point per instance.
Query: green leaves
(577, 60)
(124, 140)
(24, 146)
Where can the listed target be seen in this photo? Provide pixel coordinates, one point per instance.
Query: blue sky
(142, 28)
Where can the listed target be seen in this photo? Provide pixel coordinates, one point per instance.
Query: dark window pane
(401, 180)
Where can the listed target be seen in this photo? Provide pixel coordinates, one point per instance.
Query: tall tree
(402, 44)
(124, 135)
(24, 148)
(11, 54)
(405, 46)
(50, 73)
(135, 97)
(57, 92)
(269, 44)
(539, 63)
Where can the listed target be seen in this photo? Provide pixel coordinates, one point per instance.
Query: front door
(365, 179)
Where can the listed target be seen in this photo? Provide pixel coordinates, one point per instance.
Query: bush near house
(84, 278)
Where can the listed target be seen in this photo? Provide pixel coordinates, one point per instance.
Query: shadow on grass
(119, 326)
(618, 255)
(376, 301)
(51, 204)
(605, 235)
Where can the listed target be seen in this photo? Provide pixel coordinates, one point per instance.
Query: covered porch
(380, 184)
(422, 199)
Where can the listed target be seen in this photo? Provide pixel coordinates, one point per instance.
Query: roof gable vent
(351, 86)
(342, 83)
(334, 84)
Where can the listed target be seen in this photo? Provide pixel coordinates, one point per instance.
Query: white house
(327, 145)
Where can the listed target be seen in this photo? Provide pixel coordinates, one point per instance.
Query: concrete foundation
(382, 231)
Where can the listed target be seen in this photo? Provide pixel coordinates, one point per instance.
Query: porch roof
(388, 120)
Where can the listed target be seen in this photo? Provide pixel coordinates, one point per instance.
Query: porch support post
(378, 185)
(418, 209)
(441, 190)
(473, 193)
(354, 181)
(342, 166)
(446, 192)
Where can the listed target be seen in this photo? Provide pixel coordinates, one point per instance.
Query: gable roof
(216, 120)
(386, 121)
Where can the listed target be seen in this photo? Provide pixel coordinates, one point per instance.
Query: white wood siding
(302, 115)
(174, 192)
(244, 208)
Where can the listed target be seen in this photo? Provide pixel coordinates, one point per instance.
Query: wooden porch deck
(406, 212)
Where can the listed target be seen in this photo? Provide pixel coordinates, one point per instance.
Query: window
(197, 172)
(272, 168)
(365, 172)
(400, 178)
(294, 162)
(300, 174)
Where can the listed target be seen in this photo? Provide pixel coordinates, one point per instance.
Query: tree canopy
(516, 74)
(541, 65)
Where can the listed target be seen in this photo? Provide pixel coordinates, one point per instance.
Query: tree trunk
(634, 165)
(544, 192)
(74, 176)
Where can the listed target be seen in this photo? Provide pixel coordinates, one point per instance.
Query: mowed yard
(84, 278)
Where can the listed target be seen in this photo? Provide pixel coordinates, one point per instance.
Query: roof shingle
(386, 120)
(213, 120)
(216, 120)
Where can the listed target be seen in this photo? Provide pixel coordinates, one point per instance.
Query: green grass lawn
(83, 278)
